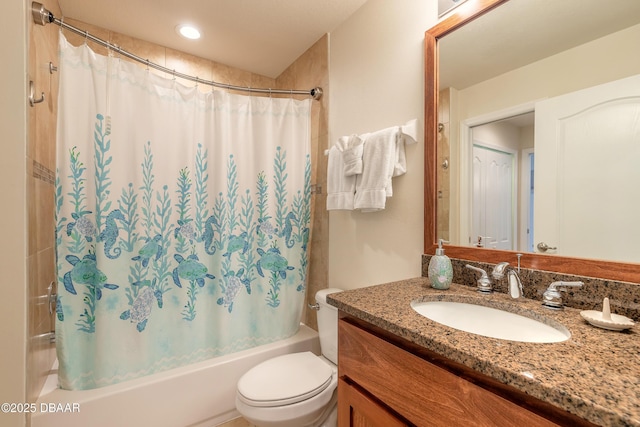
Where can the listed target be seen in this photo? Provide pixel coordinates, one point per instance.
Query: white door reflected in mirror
(493, 206)
(588, 142)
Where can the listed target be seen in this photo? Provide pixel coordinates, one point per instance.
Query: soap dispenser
(440, 271)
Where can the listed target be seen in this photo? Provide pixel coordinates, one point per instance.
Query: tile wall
(311, 69)
(308, 71)
(443, 202)
(41, 164)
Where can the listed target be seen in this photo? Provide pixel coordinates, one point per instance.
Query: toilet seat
(285, 380)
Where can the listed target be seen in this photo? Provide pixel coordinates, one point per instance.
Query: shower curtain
(182, 220)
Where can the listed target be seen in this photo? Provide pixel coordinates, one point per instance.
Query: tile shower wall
(40, 158)
(443, 165)
(311, 69)
(308, 71)
(624, 297)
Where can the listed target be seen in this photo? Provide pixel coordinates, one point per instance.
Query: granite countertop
(595, 374)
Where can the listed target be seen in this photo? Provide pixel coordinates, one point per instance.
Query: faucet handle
(484, 283)
(552, 298)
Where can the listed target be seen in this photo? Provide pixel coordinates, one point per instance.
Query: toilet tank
(328, 325)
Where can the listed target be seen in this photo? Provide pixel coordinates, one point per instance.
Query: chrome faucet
(499, 271)
(484, 283)
(515, 284)
(552, 298)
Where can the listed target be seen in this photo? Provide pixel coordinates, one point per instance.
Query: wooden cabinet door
(356, 409)
(420, 392)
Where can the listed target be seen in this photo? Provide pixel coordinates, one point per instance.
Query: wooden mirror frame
(584, 267)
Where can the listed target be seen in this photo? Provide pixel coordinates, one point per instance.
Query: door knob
(481, 240)
(543, 247)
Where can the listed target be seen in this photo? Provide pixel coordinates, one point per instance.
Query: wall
(13, 117)
(377, 81)
(310, 70)
(541, 79)
(41, 165)
(443, 162)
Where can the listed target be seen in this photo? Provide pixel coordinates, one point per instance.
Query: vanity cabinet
(387, 381)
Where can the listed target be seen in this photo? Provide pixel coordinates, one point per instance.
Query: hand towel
(340, 188)
(408, 135)
(352, 155)
(373, 186)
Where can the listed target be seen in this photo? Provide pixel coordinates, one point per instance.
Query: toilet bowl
(298, 389)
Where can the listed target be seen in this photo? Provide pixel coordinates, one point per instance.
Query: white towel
(340, 188)
(373, 186)
(409, 135)
(360, 168)
(352, 155)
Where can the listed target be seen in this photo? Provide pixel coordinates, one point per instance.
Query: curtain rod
(42, 16)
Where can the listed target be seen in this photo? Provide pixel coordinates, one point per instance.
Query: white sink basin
(491, 322)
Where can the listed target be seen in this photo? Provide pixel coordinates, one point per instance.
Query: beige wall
(580, 69)
(13, 117)
(377, 81)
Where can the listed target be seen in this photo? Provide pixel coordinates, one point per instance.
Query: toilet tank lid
(285, 380)
(321, 295)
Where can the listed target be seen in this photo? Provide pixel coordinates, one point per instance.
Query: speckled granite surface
(623, 296)
(595, 374)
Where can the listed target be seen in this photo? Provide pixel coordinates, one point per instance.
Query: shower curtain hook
(86, 36)
(147, 64)
(174, 74)
(269, 92)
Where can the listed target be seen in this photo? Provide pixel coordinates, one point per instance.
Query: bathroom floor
(237, 422)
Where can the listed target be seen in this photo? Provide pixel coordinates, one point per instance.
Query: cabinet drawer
(422, 393)
(357, 409)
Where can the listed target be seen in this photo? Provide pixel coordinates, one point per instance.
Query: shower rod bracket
(42, 16)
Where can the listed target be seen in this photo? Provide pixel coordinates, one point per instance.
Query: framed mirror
(474, 15)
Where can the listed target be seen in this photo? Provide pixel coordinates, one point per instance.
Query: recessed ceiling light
(188, 31)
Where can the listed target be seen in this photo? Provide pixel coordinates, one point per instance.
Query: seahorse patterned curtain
(181, 220)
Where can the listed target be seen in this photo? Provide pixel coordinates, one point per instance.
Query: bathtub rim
(305, 339)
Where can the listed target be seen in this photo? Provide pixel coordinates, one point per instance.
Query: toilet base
(327, 417)
(332, 418)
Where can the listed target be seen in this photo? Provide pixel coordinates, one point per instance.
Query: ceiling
(524, 31)
(261, 36)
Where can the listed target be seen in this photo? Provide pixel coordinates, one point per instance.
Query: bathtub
(197, 395)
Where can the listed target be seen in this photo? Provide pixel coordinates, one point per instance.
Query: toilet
(297, 389)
